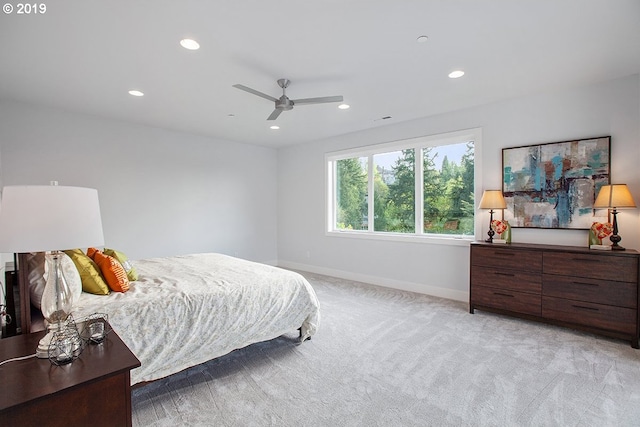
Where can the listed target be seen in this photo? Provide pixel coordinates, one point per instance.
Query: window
(394, 198)
(383, 190)
(351, 194)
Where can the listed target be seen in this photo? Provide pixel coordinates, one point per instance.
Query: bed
(185, 310)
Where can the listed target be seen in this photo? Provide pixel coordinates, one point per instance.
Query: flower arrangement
(502, 230)
(598, 231)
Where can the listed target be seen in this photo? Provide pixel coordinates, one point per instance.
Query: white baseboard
(380, 281)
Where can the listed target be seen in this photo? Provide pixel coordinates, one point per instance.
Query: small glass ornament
(66, 344)
(95, 328)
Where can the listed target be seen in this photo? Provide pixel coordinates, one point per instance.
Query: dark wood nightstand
(94, 389)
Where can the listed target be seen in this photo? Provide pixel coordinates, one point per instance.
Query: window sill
(440, 239)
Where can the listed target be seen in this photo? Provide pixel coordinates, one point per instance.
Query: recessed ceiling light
(231, 115)
(136, 93)
(422, 39)
(456, 74)
(189, 44)
(344, 106)
(275, 127)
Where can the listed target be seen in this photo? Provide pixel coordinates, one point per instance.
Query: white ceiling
(85, 55)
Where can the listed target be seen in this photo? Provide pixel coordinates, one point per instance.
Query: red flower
(601, 229)
(499, 226)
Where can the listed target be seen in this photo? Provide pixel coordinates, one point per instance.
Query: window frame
(417, 143)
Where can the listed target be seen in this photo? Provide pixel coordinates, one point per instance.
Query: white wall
(161, 192)
(610, 108)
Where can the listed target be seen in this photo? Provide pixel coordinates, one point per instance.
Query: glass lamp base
(42, 352)
(62, 343)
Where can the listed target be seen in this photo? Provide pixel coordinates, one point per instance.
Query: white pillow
(38, 270)
(35, 266)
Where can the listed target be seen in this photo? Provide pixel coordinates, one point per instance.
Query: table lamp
(492, 199)
(613, 197)
(50, 218)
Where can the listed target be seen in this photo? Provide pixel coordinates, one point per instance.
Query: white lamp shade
(492, 199)
(48, 218)
(614, 196)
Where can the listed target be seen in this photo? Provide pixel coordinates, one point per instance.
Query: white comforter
(185, 310)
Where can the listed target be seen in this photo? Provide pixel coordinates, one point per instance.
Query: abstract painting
(554, 185)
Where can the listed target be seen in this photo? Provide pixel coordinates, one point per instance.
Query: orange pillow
(111, 269)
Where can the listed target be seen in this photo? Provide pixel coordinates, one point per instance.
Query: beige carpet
(390, 358)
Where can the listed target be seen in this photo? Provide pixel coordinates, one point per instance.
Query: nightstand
(94, 389)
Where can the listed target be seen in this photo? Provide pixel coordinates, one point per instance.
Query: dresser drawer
(518, 302)
(616, 319)
(595, 266)
(505, 258)
(502, 278)
(607, 292)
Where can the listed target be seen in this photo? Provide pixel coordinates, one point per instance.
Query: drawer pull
(504, 253)
(593, 259)
(585, 308)
(586, 284)
(497, 273)
(503, 295)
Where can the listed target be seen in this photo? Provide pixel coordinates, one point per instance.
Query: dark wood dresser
(594, 291)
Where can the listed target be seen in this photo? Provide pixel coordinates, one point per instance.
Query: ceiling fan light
(344, 106)
(190, 44)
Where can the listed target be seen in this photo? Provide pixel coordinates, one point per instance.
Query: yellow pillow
(111, 269)
(132, 274)
(92, 280)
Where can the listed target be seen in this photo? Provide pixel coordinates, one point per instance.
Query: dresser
(594, 291)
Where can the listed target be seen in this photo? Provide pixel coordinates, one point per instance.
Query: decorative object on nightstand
(65, 345)
(492, 199)
(51, 218)
(95, 328)
(613, 197)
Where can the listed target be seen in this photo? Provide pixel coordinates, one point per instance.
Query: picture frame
(554, 185)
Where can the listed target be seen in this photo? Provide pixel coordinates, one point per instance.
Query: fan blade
(320, 100)
(275, 114)
(255, 92)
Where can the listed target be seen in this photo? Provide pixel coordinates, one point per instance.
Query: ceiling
(84, 56)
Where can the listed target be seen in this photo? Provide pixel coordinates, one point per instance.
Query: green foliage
(448, 194)
(380, 197)
(351, 194)
(400, 204)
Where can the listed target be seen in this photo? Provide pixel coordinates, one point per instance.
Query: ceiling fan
(284, 103)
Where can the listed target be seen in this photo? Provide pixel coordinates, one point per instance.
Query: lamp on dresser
(492, 199)
(613, 197)
(51, 218)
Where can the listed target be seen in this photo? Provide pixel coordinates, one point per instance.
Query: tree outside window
(446, 183)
